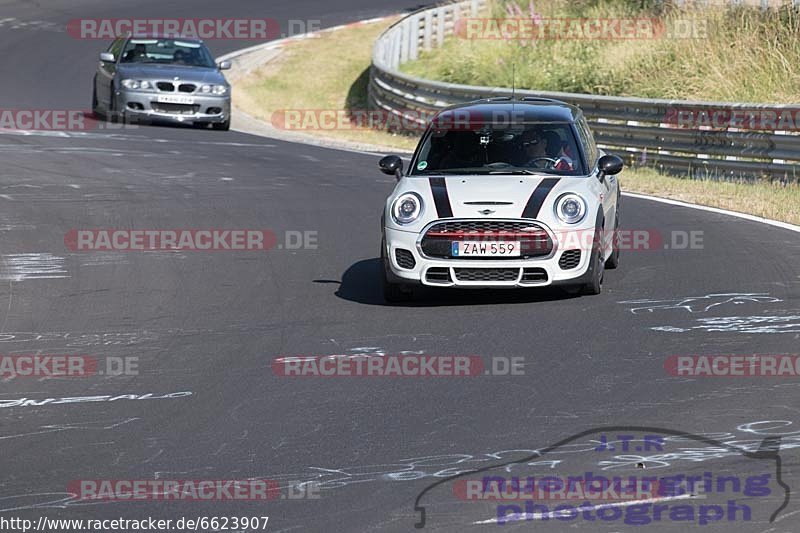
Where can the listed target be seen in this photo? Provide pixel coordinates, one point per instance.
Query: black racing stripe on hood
(440, 197)
(537, 198)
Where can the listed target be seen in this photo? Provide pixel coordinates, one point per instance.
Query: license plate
(167, 99)
(486, 248)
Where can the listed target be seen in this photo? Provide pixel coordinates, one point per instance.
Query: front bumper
(203, 108)
(554, 269)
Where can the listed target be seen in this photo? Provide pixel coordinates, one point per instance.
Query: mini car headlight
(407, 208)
(219, 89)
(130, 84)
(205, 88)
(570, 208)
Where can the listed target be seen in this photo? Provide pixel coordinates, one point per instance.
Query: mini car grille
(187, 87)
(569, 259)
(438, 275)
(483, 226)
(534, 240)
(534, 275)
(176, 109)
(486, 274)
(165, 86)
(405, 259)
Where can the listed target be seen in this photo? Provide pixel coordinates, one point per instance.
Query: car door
(106, 71)
(608, 186)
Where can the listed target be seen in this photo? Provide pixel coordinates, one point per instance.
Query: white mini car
(502, 193)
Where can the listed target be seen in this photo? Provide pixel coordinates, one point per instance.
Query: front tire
(114, 116)
(613, 260)
(596, 265)
(95, 105)
(393, 292)
(222, 126)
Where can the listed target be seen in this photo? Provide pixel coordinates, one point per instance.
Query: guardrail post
(405, 40)
(393, 52)
(427, 30)
(440, 14)
(413, 37)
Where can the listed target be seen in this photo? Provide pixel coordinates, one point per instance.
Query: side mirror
(107, 57)
(224, 65)
(391, 165)
(609, 165)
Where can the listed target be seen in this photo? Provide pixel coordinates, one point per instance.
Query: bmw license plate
(168, 99)
(486, 249)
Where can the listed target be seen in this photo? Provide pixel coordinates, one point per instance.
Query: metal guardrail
(636, 128)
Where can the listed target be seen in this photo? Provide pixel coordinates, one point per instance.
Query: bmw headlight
(213, 89)
(570, 208)
(138, 85)
(407, 208)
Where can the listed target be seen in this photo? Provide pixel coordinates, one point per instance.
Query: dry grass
(325, 73)
(769, 200)
(740, 55)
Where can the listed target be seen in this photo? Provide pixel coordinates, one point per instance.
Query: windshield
(500, 149)
(167, 52)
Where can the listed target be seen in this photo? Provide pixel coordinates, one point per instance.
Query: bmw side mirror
(106, 57)
(609, 165)
(391, 165)
(224, 65)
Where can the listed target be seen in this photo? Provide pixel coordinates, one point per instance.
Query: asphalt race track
(205, 327)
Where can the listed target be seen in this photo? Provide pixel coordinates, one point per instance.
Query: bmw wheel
(222, 126)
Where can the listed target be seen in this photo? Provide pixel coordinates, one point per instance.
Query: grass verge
(763, 199)
(331, 73)
(316, 76)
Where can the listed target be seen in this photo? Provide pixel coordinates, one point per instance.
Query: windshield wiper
(515, 171)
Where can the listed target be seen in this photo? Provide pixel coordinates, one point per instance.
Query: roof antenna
(513, 81)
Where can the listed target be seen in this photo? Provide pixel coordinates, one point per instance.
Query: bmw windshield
(167, 52)
(548, 148)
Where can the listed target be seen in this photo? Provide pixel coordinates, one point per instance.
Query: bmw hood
(197, 75)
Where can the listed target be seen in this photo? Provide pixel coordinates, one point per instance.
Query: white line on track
(753, 218)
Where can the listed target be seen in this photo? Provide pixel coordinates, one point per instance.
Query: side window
(587, 139)
(116, 48)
